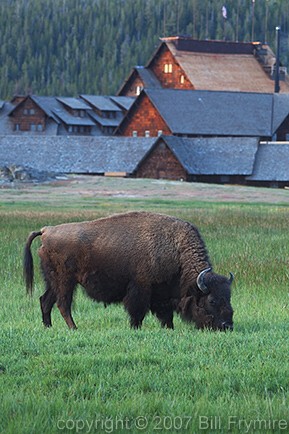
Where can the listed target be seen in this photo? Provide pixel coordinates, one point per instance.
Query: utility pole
(253, 19)
(266, 22)
(277, 66)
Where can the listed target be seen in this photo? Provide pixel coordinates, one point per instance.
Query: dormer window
(182, 79)
(168, 68)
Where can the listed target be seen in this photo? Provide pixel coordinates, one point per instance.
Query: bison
(147, 261)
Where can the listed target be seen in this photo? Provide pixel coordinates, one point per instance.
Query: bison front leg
(164, 312)
(137, 304)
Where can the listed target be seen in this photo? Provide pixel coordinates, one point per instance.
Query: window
(17, 127)
(134, 133)
(168, 68)
(147, 133)
(138, 90)
(182, 79)
(39, 127)
(29, 111)
(32, 127)
(160, 132)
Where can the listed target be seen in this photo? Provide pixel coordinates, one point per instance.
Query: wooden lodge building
(185, 113)
(188, 64)
(197, 111)
(88, 115)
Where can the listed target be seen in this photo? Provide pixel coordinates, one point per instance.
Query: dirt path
(102, 187)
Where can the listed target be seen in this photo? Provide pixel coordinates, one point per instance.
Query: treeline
(68, 47)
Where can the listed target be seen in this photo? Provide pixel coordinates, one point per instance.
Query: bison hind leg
(47, 301)
(137, 304)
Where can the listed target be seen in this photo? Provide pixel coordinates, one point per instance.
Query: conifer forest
(72, 47)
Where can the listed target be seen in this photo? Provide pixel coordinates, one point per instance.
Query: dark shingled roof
(105, 122)
(47, 103)
(75, 154)
(74, 103)
(69, 119)
(271, 163)
(124, 102)
(102, 103)
(215, 155)
(220, 113)
(148, 77)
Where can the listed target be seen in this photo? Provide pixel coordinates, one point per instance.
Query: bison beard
(149, 262)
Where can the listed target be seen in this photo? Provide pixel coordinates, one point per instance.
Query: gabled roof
(46, 103)
(146, 75)
(219, 65)
(219, 113)
(271, 163)
(52, 107)
(214, 155)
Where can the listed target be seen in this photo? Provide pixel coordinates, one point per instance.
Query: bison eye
(212, 302)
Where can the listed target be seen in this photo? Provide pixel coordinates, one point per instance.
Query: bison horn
(200, 281)
(231, 277)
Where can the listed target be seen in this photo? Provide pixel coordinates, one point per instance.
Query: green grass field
(107, 378)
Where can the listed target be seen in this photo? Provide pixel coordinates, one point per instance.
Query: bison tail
(28, 269)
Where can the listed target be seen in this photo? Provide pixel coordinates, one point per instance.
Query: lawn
(105, 377)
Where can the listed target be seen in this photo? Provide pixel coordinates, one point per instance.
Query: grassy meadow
(105, 377)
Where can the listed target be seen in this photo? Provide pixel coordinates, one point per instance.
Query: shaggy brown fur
(146, 261)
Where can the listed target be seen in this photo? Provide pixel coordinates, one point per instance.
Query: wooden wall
(144, 117)
(169, 79)
(161, 164)
(23, 116)
(283, 130)
(130, 87)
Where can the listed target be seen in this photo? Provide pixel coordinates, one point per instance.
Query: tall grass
(105, 377)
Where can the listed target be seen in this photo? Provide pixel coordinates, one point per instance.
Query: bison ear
(201, 281)
(185, 304)
(231, 277)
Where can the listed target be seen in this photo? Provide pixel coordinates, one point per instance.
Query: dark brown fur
(147, 261)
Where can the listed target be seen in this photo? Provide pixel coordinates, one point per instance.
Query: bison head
(210, 306)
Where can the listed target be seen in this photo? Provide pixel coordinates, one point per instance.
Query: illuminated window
(168, 68)
(138, 90)
(182, 79)
(134, 133)
(147, 133)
